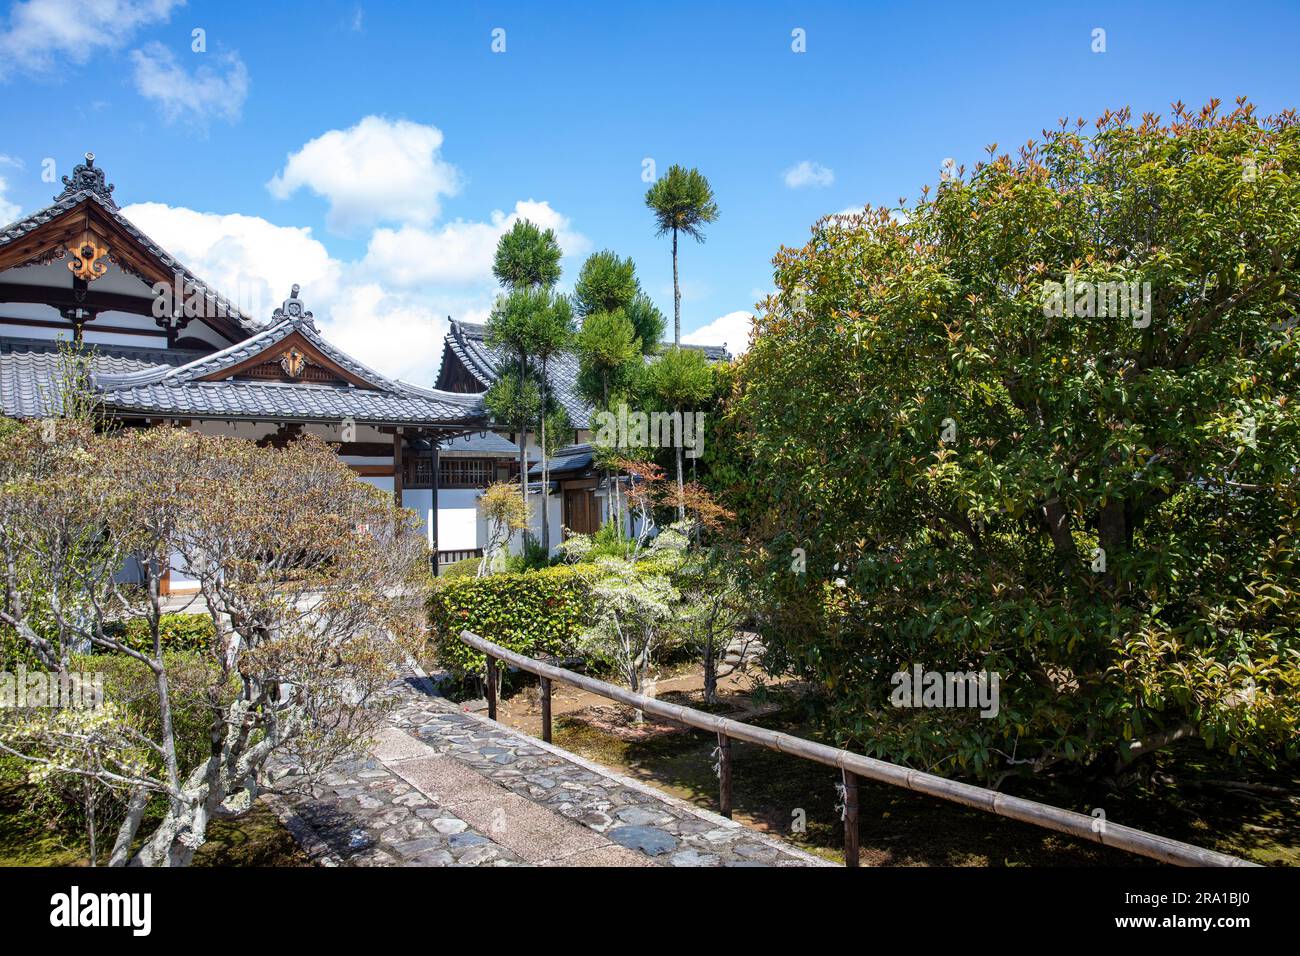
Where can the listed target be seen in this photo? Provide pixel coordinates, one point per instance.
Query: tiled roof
(467, 341)
(572, 458)
(182, 390)
(162, 382)
(29, 371)
(294, 401)
(476, 443)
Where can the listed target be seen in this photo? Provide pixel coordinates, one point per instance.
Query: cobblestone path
(447, 788)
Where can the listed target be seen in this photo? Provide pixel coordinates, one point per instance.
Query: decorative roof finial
(293, 310)
(87, 178)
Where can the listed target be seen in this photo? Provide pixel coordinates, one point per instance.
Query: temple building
(166, 348)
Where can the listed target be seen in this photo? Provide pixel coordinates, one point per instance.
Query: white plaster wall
(460, 526)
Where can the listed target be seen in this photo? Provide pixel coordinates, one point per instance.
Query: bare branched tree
(311, 578)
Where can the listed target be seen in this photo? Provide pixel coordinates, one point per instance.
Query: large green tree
(682, 202)
(975, 459)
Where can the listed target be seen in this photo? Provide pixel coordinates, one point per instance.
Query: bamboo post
(724, 774)
(492, 687)
(850, 818)
(546, 709)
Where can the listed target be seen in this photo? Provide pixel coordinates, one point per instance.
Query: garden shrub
(464, 568)
(533, 613)
(180, 632)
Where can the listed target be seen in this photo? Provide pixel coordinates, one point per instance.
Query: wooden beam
(64, 325)
(433, 455)
(67, 298)
(397, 466)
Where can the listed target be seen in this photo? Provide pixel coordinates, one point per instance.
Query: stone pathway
(447, 788)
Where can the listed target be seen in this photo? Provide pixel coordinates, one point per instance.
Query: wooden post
(398, 466)
(724, 774)
(492, 687)
(546, 709)
(850, 818)
(433, 514)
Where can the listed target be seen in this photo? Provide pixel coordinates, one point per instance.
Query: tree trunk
(681, 486)
(677, 299)
(710, 672)
(546, 516)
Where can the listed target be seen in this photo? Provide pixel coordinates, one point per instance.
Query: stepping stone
(692, 858)
(642, 817)
(649, 840)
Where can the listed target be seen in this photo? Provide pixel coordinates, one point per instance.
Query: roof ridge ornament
(292, 309)
(87, 178)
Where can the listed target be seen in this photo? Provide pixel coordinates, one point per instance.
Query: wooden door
(581, 514)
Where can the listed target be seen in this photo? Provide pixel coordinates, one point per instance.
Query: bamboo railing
(852, 766)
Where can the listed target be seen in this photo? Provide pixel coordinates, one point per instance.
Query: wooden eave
(124, 248)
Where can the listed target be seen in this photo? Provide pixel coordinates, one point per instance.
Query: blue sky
(426, 142)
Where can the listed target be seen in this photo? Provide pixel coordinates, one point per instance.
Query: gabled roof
(215, 386)
(85, 191)
(466, 346)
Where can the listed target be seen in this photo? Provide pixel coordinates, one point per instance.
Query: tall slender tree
(620, 323)
(682, 201)
(553, 334)
(680, 380)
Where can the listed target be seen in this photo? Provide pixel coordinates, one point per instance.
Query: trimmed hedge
(534, 613)
(180, 632)
(464, 568)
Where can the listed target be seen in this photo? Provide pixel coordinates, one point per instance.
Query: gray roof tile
(467, 341)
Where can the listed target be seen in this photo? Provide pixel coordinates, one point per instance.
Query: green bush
(180, 632)
(464, 568)
(534, 557)
(533, 613)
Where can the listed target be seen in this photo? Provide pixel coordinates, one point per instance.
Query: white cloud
(459, 252)
(385, 309)
(41, 32)
(9, 211)
(808, 173)
(216, 89)
(380, 170)
(731, 330)
(252, 261)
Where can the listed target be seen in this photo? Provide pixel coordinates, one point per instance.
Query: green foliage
(533, 556)
(514, 402)
(950, 453)
(605, 283)
(609, 355)
(464, 568)
(527, 257)
(682, 201)
(680, 379)
(179, 632)
(607, 542)
(534, 613)
(647, 322)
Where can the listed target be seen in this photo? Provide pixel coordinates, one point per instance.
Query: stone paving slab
(367, 815)
(445, 788)
(655, 826)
